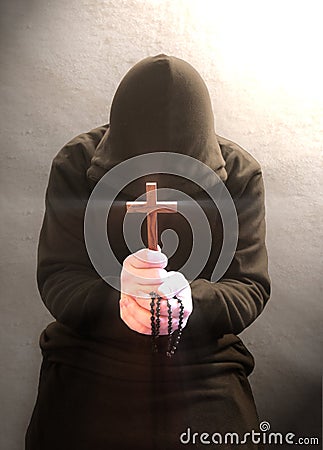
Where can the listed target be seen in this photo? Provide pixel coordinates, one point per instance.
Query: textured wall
(60, 64)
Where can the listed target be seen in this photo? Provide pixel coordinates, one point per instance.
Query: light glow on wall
(276, 43)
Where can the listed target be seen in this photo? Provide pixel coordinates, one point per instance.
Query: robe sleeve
(234, 302)
(69, 286)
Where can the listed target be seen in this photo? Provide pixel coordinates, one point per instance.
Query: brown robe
(101, 387)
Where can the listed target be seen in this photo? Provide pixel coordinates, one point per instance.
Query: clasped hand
(144, 273)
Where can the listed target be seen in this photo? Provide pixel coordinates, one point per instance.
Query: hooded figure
(101, 386)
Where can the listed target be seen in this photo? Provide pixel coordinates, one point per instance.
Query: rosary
(155, 324)
(152, 207)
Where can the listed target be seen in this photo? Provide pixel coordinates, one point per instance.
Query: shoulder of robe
(240, 165)
(78, 152)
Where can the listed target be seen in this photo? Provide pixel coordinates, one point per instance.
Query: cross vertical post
(152, 224)
(152, 207)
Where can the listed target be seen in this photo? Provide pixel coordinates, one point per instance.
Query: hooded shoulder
(240, 165)
(79, 151)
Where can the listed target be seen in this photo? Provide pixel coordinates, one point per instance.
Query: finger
(164, 313)
(185, 296)
(144, 300)
(134, 319)
(172, 285)
(144, 276)
(133, 309)
(130, 320)
(135, 315)
(146, 258)
(134, 289)
(146, 280)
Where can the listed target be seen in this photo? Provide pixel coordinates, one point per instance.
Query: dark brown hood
(161, 105)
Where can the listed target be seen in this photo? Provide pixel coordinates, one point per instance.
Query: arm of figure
(234, 302)
(68, 284)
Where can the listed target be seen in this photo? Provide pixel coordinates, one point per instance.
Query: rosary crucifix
(152, 207)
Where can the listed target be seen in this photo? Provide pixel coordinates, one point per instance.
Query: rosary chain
(155, 324)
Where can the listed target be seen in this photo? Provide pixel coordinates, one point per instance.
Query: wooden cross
(152, 207)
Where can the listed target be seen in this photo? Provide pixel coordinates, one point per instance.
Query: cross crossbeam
(151, 207)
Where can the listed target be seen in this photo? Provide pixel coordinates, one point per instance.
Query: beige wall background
(262, 61)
